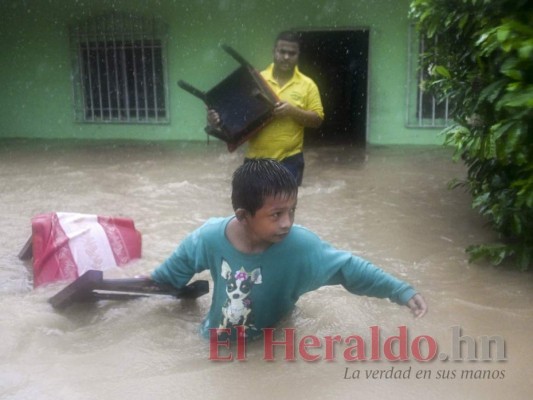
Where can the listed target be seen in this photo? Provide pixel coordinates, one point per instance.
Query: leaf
(525, 52)
(442, 71)
(500, 129)
(503, 33)
(480, 201)
(483, 52)
(523, 99)
(463, 21)
(495, 253)
(492, 91)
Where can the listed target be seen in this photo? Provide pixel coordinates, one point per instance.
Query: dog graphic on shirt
(237, 309)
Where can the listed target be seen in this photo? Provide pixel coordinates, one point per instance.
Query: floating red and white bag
(65, 245)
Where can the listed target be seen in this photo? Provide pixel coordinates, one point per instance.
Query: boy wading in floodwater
(261, 263)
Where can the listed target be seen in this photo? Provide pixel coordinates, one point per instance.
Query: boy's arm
(361, 277)
(182, 264)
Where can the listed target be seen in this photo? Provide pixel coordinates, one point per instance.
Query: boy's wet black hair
(258, 178)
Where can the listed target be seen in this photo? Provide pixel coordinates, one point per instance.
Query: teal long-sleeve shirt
(257, 290)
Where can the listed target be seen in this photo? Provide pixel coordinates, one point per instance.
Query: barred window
(119, 70)
(423, 109)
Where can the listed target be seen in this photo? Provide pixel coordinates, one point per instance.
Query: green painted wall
(35, 69)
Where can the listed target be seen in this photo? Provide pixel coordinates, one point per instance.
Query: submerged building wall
(37, 73)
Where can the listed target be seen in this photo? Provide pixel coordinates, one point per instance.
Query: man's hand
(418, 306)
(308, 119)
(283, 109)
(213, 119)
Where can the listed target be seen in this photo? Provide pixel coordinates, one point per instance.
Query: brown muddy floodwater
(388, 204)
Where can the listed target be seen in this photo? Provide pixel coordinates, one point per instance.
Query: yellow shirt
(283, 137)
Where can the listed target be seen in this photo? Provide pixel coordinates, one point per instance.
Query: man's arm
(308, 119)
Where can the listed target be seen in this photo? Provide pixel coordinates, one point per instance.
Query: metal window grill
(119, 70)
(423, 108)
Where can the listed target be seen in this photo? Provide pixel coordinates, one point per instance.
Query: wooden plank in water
(78, 291)
(26, 252)
(92, 287)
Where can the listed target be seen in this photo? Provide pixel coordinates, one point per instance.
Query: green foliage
(483, 62)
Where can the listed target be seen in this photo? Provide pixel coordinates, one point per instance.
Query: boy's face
(272, 222)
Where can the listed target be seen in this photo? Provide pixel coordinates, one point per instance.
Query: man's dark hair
(258, 178)
(288, 36)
